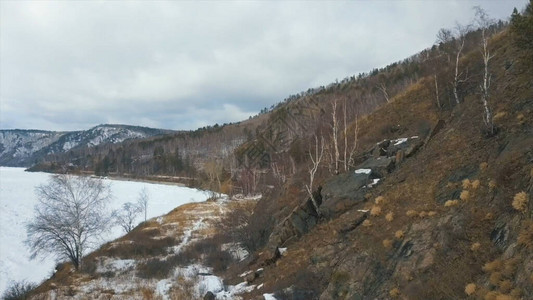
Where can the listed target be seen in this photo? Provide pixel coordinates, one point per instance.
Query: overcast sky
(72, 65)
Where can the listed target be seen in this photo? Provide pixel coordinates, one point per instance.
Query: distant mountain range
(23, 148)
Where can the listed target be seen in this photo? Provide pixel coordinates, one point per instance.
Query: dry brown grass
(516, 293)
(387, 243)
(389, 216)
(432, 213)
(375, 211)
(509, 267)
(493, 266)
(470, 289)
(422, 214)
(492, 184)
(505, 286)
(380, 200)
(465, 195)
(483, 166)
(395, 293)
(367, 223)
(489, 216)
(475, 184)
(499, 115)
(466, 184)
(495, 278)
(451, 203)
(399, 234)
(525, 237)
(475, 246)
(520, 201)
(411, 213)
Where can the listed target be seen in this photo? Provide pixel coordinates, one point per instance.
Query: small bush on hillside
(389, 216)
(432, 213)
(422, 214)
(505, 286)
(493, 266)
(489, 216)
(470, 289)
(492, 185)
(520, 201)
(495, 278)
(387, 243)
(483, 166)
(18, 290)
(367, 223)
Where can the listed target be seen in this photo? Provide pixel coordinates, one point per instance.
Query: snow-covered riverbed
(17, 200)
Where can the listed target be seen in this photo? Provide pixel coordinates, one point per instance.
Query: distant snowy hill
(23, 148)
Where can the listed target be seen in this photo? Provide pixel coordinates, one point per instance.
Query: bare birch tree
(484, 22)
(126, 217)
(316, 159)
(383, 89)
(142, 201)
(334, 136)
(69, 217)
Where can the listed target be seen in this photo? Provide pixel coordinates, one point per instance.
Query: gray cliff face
(24, 148)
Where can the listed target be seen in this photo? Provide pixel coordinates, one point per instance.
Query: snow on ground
(17, 201)
(363, 171)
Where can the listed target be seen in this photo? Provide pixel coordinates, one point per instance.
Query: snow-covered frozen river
(17, 201)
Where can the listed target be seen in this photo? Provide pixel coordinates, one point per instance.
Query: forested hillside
(411, 182)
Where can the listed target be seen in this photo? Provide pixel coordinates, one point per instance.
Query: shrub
(465, 195)
(389, 217)
(367, 223)
(520, 202)
(380, 200)
(423, 214)
(466, 184)
(387, 243)
(451, 203)
(509, 267)
(375, 211)
(483, 166)
(411, 213)
(475, 246)
(431, 213)
(399, 234)
(470, 289)
(394, 293)
(18, 290)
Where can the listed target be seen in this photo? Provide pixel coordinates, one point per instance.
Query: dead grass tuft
(394, 293)
(422, 214)
(489, 216)
(476, 184)
(499, 115)
(399, 234)
(451, 203)
(493, 266)
(466, 184)
(509, 267)
(495, 278)
(470, 289)
(387, 243)
(367, 223)
(465, 195)
(375, 211)
(525, 237)
(483, 166)
(506, 286)
(411, 213)
(475, 246)
(492, 184)
(516, 293)
(432, 213)
(520, 202)
(380, 200)
(504, 297)
(389, 216)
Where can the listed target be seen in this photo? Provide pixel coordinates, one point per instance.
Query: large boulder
(342, 192)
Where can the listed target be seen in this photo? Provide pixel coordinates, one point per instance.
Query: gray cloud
(180, 65)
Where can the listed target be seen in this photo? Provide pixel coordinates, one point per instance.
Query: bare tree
(334, 135)
(351, 158)
(484, 22)
(69, 217)
(142, 201)
(127, 216)
(383, 89)
(316, 159)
